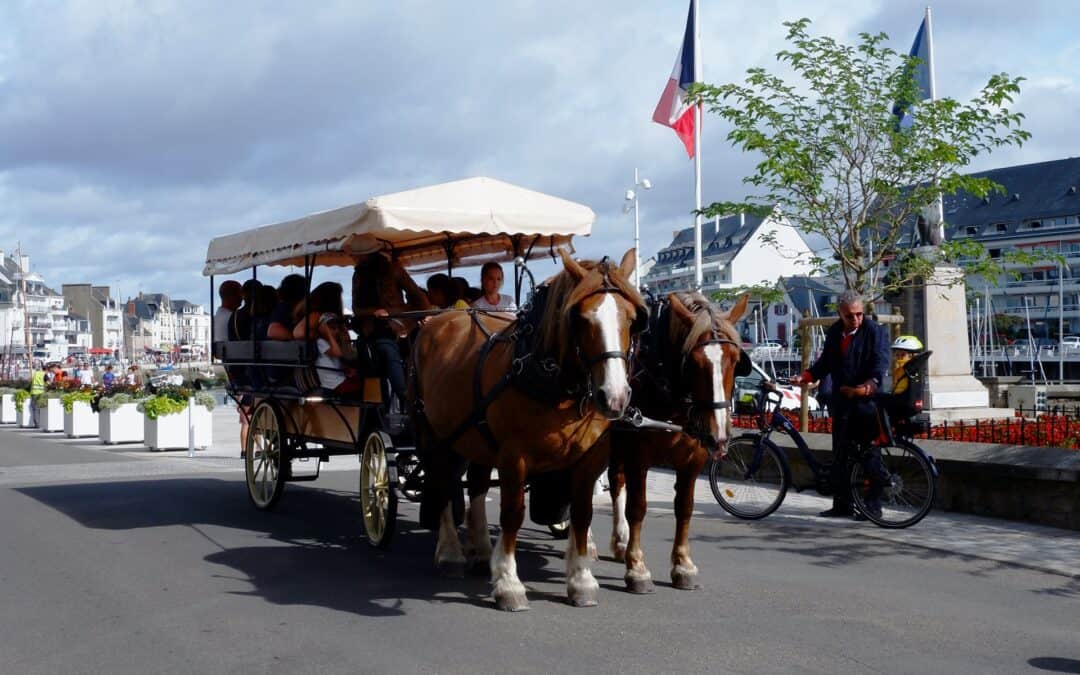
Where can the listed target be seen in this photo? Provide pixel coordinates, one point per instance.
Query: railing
(1055, 427)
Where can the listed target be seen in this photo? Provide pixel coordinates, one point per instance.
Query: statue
(931, 224)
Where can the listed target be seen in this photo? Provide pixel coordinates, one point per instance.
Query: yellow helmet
(908, 343)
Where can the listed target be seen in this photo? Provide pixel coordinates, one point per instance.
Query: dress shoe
(836, 512)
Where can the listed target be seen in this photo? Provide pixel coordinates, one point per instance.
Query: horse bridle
(742, 367)
(635, 327)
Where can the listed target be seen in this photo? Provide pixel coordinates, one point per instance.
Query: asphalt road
(116, 560)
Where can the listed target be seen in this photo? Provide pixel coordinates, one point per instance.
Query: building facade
(102, 311)
(157, 324)
(26, 301)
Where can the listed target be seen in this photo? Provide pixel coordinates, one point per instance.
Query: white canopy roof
(479, 219)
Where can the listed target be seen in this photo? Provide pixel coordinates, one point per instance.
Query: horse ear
(736, 312)
(572, 266)
(679, 309)
(628, 264)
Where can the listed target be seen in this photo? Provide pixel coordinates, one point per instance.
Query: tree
(836, 163)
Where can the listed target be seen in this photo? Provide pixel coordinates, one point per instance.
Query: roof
(801, 288)
(719, 240)
(478, 216)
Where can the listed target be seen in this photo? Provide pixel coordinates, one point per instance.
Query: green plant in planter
(171, 401)
(71, 397)
(20, 397)
(41, 400)
(114, 401)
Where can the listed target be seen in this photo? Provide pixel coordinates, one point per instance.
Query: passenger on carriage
(265, 300)
(381, 287)
(491, 281)
(440, 291)
(240, 322)
(459, 288)
(326, 323)
(231, 294)
(285, 315)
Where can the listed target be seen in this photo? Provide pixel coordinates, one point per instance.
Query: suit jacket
(867, 357)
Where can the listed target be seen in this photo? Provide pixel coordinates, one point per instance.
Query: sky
(134, 131)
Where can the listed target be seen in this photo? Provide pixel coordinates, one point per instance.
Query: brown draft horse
(687, 367)
(475, 393)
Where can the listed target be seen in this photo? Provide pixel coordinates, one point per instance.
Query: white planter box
(170, 432)
(123, 425)
(51, 417)
(81, 421)
(24, 416)
(7, 408)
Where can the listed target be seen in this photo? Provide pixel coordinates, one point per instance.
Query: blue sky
(133, 132)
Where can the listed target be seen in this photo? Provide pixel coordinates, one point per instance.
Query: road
(117, 560)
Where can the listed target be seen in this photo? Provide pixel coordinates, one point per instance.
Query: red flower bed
(1047, 430)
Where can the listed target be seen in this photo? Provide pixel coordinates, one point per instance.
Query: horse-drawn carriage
(448, 226)
(533, 396)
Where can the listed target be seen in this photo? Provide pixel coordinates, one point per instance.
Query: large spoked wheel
(752, 480)
(560, 530)
(903, 486)
(265, 458)
(378, 480)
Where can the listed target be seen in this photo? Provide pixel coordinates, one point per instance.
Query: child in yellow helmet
(903, 349)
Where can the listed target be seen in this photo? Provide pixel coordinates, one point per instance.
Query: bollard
(191, 426)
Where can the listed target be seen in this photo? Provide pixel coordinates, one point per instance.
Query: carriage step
(293, 478)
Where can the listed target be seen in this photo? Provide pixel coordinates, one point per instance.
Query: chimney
(24, 264)
(1, 256)
(716, 225)
(742, 220)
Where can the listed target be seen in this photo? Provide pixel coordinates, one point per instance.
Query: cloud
(133, 132)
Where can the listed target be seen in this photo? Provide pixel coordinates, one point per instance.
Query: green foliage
(832, 159)
(40, 401)
(765, 293)
(171, 400)
(114, 400)
(69, 398)
(20, 397)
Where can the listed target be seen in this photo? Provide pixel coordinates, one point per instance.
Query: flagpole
(939, 205)
(698, 276)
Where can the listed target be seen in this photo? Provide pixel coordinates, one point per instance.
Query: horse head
(593, 314)
(710, 357)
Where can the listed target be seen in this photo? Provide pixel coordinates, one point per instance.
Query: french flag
(674, 110)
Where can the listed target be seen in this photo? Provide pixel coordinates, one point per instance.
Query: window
(1033, 224)
(995, 253)
(1001, 227)
(971, 230)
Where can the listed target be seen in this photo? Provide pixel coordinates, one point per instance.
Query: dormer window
(1001, 227)
(971, 230)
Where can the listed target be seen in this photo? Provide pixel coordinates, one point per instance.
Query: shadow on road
(316, 552)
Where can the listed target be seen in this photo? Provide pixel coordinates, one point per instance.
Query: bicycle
(755, 476)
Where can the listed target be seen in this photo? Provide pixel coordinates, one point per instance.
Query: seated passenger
(491, 281)
(439, 290)
(266, 299)
(290, 300)
(240, 322)
(381, 287)
(326, 325)
(460, 288)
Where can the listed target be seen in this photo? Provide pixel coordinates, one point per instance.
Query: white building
(154, 323)
(54, 335)
(735, 253)
(104, 313)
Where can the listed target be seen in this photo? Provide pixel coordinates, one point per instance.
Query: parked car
(766, 348)
(1071, 341)
(748, 387)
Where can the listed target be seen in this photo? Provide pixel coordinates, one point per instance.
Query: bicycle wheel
(751, 482)
(905, 486)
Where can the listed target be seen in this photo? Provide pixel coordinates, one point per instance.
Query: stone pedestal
(937, 313)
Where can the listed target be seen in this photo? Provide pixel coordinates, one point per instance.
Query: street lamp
(632, 203)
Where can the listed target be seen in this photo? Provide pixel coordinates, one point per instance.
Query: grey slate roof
(717, 241)
(801, 288)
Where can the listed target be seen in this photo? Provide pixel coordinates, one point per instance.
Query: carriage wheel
(560, 530)
(264, 458)
(378, 480)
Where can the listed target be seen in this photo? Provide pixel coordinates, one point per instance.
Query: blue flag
(920, 49)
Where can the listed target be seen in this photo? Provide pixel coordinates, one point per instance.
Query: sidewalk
(1017, 543)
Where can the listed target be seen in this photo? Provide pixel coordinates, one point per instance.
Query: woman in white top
(326, 324)
(491, 281)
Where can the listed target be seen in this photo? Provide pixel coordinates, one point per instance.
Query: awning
(100, 350)
(468, 221)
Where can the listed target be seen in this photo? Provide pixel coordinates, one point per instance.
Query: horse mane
(707, 318)
(564, 293)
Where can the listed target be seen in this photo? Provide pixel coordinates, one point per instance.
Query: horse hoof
(583, 598)
(684, 582)
(640, 585)
(512, 602)
(452, 569)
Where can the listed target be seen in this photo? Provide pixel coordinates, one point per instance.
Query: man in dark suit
(856, 356)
